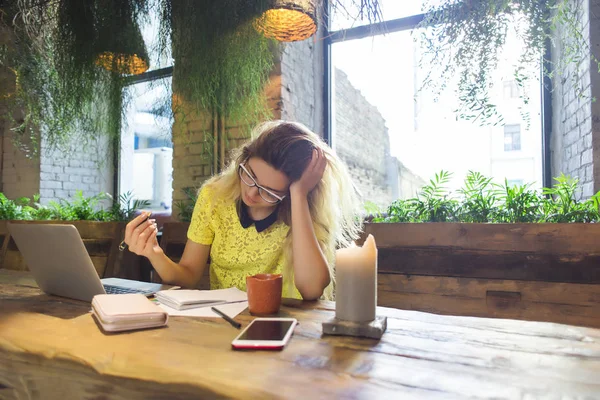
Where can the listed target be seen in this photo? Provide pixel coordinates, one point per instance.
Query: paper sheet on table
(191, 298)
(231, 310)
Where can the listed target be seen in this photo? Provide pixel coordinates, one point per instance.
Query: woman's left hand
(312, 175)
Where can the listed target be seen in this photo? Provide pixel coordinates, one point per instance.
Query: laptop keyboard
(122, 290)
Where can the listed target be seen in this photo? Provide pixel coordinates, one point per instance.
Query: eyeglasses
(264, 193)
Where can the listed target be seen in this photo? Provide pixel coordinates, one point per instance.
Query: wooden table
(51, 348)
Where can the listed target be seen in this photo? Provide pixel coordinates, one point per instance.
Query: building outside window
(512, 137)
(395, 137)
(146, 158)
(146, 153)
(511, 89)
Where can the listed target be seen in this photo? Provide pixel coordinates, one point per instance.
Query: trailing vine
(464, 39)
(62, 96)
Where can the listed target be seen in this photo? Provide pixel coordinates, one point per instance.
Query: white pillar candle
(356, 282)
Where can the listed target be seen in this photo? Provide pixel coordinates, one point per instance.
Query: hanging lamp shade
(120, 46)
(288, 20)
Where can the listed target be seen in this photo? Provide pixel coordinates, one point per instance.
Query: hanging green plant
(70, 58)
(222, 63)
(464, 39)
(63, 96)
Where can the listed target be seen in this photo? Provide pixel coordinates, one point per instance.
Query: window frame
(149, 76)
(513, 133)
(408, 23)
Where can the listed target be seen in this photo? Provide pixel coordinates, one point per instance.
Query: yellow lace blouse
(235, 252)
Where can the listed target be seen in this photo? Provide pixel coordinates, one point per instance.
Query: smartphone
(266, 334)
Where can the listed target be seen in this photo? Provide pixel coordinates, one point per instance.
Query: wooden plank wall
(101, 240)
(540, 272)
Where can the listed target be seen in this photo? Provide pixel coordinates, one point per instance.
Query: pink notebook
(123, 312)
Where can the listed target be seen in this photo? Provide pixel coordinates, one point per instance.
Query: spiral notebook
(185, 299)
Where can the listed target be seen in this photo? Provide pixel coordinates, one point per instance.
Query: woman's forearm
(176, 273)
(311, 274)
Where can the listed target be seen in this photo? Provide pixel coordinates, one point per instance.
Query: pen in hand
(227, 318)
(123, 245)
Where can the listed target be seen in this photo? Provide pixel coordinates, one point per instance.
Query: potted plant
(495, 250)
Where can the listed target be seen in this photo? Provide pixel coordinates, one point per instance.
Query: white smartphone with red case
(265, 334)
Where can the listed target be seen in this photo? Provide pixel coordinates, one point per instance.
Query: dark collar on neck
(246, 220)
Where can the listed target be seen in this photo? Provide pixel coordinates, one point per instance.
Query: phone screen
(266, 330)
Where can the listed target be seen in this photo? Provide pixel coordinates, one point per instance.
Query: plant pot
(548, 272)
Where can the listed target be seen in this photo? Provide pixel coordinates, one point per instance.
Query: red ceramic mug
(264, 293)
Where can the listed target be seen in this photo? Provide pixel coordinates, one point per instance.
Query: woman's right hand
(140, 235)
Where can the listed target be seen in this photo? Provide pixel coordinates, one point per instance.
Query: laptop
(61, 265)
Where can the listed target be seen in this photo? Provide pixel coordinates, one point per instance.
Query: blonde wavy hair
(334, 205)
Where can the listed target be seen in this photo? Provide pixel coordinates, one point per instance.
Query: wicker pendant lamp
(288, 20)
(120, 47)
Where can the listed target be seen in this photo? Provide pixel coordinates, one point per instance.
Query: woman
(282, 206)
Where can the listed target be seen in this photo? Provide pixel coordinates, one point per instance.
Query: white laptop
(61, 265)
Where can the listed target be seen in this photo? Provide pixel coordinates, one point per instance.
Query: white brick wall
(87, 167)
(591, 137)
(362, 141)
(572, 137)
(302, 82)
(54, 175)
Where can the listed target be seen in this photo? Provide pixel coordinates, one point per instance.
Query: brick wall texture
(88, 169)
(361, 140)
(572, 136)
(592, 161)
(302, 83)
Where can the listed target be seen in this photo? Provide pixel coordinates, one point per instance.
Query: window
(347, 17)
(146, 153)
(145, 169)
(512, 137)
(394, 137)
(511, 89)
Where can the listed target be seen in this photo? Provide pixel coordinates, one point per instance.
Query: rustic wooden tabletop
(50, 347)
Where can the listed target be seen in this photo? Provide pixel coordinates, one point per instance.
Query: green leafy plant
(372, 210)
(15, 209)
(186, 207)
(125, 207)
(39, 211)
(223, 62)
(81, 208)
(61, 93)
(518, 203)
(479, 199)
(433, 204)
(399, 211)
(562, 206)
